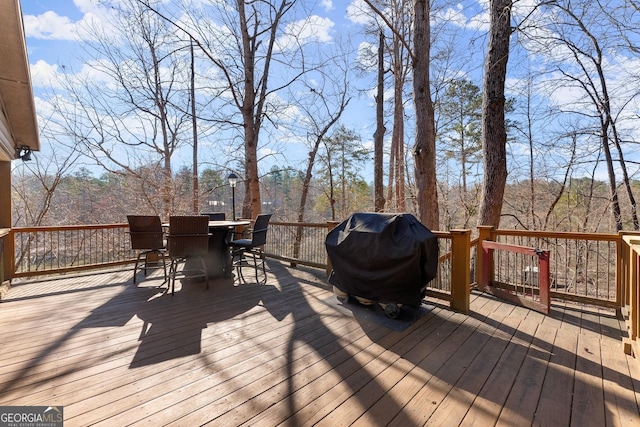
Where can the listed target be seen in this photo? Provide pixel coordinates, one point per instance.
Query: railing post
(5, 263)
(625, 250)
(484, 233)
(629, 280)
(628, 288)
(622, 257)
(460, 269)
(330, 226)
(633, 297)
(5, 220)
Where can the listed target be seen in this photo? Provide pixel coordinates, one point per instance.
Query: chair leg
(256, 257)
(164, 265)
(260, 254)
(236, 261)
(135, 267)
(255, 265)
(172, 276)
(204, 269)
(173, 271)
(240, 257)
(146, 265)
(239, 266)
(264, 270)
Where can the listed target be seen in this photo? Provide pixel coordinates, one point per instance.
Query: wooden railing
(4, 240)
(583, 266)
(48, 250)
(629, 279)
(529, 287)
(590, 268)
(298, 243)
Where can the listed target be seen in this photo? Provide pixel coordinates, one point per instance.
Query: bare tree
(425, 147)
(401, 17)
(243, 40)
(342, 159)
(584, 30)
(194, 128)
(424, 151)
(323, 108)
(35, 184)
(134, 113)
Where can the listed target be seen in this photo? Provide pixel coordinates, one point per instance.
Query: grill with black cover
(384, 257)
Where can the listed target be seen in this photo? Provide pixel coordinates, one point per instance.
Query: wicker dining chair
(188, 242)
(147, 238)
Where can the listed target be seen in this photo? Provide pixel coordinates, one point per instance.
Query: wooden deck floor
(115, 354)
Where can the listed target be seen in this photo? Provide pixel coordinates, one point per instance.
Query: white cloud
(454, 16)
(367, 55)
(49, 25)
(327, 5)
(473, 16)
(44, 74)
(480, 21)
(312, 29)
(88, 6)
(359, 12)
(52, 26)
(266, 152)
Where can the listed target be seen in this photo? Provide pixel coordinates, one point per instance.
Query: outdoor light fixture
(24, 153)
(233, 180)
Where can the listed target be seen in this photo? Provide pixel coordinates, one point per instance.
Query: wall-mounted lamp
(233, 180)
(24, 153)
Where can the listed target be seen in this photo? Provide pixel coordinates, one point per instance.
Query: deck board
(115, 353)
(554, 406)
(474, 377)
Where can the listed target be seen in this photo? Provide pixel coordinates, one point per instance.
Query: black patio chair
(253, 246)
(147, 238)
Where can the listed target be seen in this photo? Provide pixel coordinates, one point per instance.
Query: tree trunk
(397, 156)
(494, 134)
(396, 191)
(425, 146)
(194, 124)
(251, 206)
(378, 136)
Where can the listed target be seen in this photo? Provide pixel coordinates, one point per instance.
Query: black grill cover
(388, 258)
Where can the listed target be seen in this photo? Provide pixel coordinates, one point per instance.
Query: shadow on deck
(112, 353)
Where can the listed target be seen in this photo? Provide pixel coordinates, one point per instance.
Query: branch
(392, 28)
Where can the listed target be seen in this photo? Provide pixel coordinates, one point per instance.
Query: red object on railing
(543, 304)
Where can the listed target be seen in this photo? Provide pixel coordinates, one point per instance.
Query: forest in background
(79, 198)
(569, 119)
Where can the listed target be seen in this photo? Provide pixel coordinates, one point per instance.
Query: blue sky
(49, 28)
(54, 33)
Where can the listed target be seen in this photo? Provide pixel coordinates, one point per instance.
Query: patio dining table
(219, 258)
